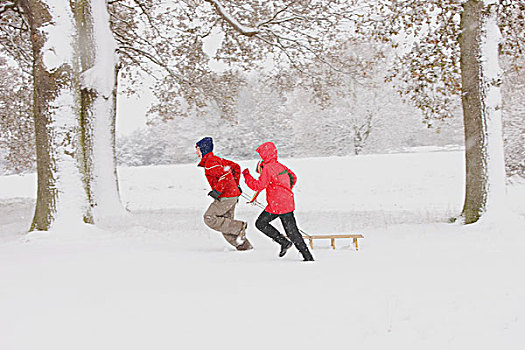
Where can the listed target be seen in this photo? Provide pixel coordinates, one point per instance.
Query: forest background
(356, 99)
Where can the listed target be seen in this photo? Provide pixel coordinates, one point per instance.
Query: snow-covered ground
(162, 280)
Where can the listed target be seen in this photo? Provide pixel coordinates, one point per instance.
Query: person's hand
(246, 172)
(214, 194)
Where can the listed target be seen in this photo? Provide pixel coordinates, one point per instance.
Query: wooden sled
(332, 238)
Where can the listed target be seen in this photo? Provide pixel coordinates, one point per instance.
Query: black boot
(290, 226)
(284, 248)
(308, 257)
(305, 252)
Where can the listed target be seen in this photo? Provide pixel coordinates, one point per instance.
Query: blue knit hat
(205, 145)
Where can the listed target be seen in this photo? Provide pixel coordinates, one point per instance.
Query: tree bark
(481, 120)
(86, 52)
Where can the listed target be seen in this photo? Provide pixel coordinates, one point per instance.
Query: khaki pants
(219, 217)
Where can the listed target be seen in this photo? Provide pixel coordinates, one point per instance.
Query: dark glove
(214, 194)
(239, 187)
(246, 172)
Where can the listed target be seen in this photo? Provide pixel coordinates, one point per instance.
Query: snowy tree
(363, 97)
(73, 101)
(336, 105)
(344, 112)
(437, 69)
(514, 121)
(250, 34)
(481, 79)
(262, 115)
(147, 146)
(14, 32)
(56, 129)
(16, 129)
(96, 50)
(16, 124)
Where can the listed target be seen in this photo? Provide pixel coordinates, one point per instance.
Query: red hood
(267, 151)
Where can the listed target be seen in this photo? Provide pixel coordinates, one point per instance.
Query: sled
(332, 238)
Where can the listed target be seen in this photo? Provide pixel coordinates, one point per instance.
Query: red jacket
(222, 174)
(277, 179)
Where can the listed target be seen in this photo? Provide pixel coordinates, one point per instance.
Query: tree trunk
(97, 50)
(86, 52)
(481, 110)
(58, 192)
(74, 111)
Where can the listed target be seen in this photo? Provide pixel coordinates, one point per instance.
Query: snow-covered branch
(8, 5)
(242, 29)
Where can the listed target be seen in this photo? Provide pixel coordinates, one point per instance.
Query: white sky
(131, 112)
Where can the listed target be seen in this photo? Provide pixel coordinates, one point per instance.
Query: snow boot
(284, 248)
(241, 238)
(309, 258)
(245, 246)
(303, 249)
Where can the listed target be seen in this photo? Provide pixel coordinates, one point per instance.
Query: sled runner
(307, 236)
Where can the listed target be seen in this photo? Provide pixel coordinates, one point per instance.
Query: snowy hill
(162, 280)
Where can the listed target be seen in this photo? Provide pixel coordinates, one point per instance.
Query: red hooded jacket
(222, 174)
(277, 179)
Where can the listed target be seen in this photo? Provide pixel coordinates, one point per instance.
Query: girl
(278, 181)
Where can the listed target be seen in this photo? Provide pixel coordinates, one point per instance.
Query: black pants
(290, 227)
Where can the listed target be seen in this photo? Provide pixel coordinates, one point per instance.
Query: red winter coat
(277, 179)
(222, 174)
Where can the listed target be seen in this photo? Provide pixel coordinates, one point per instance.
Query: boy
(223, 176)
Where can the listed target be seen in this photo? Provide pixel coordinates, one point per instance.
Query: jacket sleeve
(258, 184)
